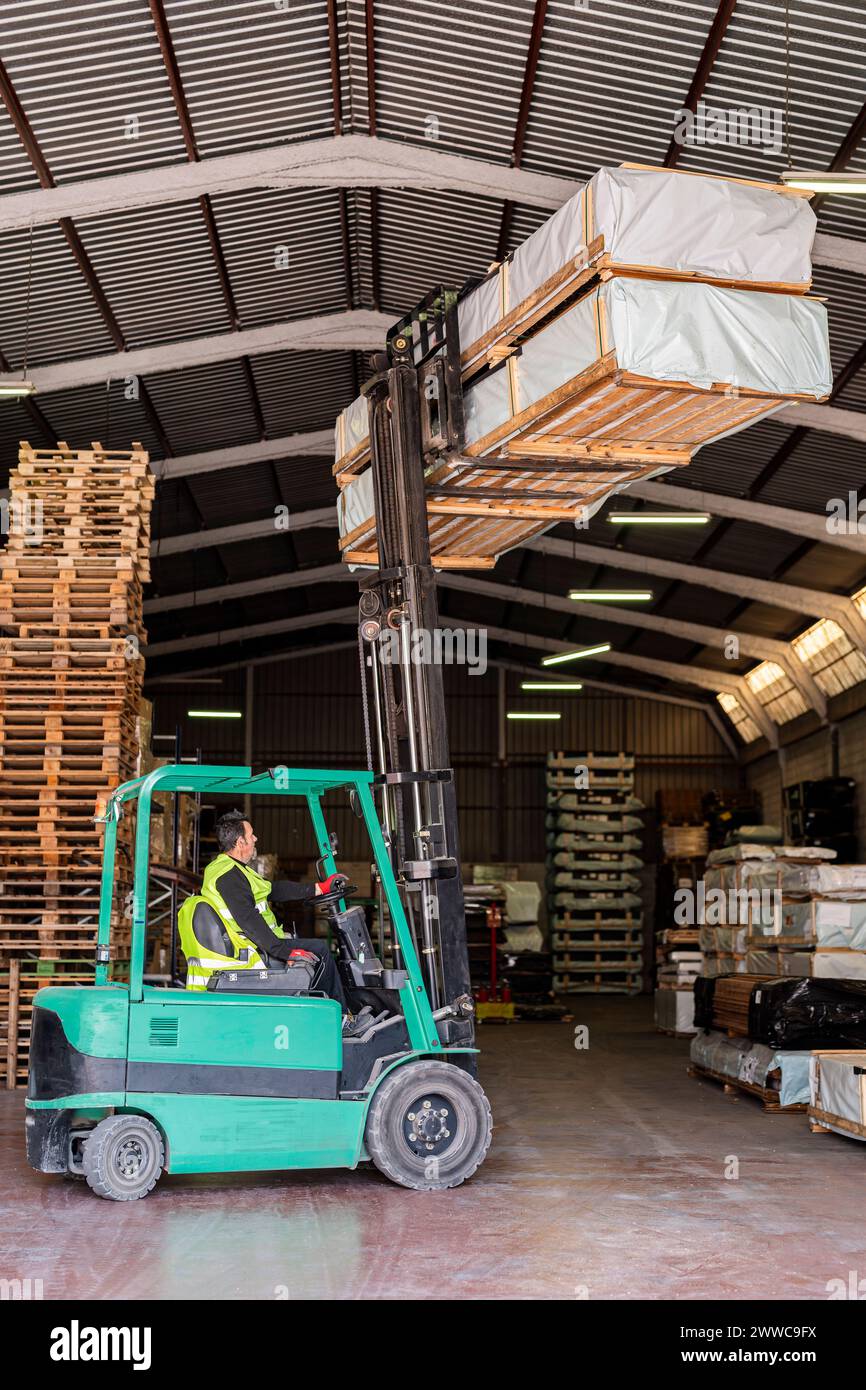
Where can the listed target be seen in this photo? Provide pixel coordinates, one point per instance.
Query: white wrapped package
(837, 1084)
(802, 878)
(764, 962)
(826, 922)
(603, 860)
(522, 900)
(669, 331)
(705, 334)
(825, 965)
(612, 844)
(754, 1063)
(731, 939)
(683, 223)
(735, 853)
(675, 1010)
(696, 225)
(723, 964)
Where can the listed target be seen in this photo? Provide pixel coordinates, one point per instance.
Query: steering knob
(340, 888)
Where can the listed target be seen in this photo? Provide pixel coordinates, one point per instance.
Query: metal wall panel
(307, 712)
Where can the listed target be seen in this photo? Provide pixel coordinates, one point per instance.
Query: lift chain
(364, 704)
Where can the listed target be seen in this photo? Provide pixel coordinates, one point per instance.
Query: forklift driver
(240, 898)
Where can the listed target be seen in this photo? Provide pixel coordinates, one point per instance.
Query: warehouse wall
(810, 758)
(307, 712)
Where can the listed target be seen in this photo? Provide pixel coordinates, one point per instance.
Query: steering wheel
(334, 895)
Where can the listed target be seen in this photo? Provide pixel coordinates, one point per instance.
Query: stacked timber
(731, 998)
(71, 670)
(655, 312)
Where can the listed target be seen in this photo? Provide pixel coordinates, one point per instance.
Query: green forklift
(130, 1080)
(255, 1072)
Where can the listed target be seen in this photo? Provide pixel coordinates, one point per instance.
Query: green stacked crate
(593, 885)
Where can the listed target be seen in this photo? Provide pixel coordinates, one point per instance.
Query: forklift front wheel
(123, 1158)
(429, 1126)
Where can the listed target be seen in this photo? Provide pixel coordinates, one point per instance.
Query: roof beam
(830, 419)
(761, 648)
(301, 623)
(815, 603)
(320, 443)
(360, 329)
(839, 252)
(248, 588)
(808, 524)
(350, 615)
(263, 529)
(668, 670)
(701, 77)
(529, 73)
(635, 692)
(334, 161)
(315, 444)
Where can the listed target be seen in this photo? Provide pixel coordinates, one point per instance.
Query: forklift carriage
(128, 1080)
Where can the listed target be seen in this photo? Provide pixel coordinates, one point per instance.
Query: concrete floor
(605, 1180)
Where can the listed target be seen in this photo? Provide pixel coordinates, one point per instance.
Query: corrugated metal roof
(608, 83)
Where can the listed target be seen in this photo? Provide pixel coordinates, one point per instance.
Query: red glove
(298, 954)
(327, 885)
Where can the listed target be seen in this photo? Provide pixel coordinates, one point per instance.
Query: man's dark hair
(229, 829)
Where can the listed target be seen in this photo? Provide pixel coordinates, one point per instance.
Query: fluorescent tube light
(610, 595)
(575, 656)
(214, 714)
(531, 714)
(550, 685)
(17, 389)
(825, 181)
(659, 518)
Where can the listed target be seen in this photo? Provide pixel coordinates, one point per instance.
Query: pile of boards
(784, 910)
(655, 312)
(71, 669)
(797, 1044)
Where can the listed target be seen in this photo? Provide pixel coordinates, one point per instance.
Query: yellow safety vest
(202, 961)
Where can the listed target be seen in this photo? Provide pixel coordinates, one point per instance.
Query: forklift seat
(209, 930)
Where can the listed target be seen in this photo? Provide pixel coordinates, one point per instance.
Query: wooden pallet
(732, 1085)
(570, 450)
(70, 686)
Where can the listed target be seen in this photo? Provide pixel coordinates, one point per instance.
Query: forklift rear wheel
(123, 1158)
(429, 1126)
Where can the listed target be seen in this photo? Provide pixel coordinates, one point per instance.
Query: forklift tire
(429, 1126)
(123, 1158)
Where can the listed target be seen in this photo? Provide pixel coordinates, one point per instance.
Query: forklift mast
(416, 423)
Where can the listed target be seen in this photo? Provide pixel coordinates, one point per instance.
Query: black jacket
(237, 894)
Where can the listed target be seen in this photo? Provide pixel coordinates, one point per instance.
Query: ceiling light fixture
(825, 181)
(532, 714)
(575, 656)
(550, 685)
(17, 389)
(611, 595)
(214, 714)
(659, 518)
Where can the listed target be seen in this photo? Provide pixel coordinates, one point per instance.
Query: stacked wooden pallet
(71, 669)
(655, 312)
(594, 892)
